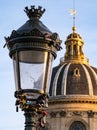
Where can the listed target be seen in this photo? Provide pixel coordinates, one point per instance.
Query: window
(76, 72)
(77, 125)
(69, 48)
(75, 50)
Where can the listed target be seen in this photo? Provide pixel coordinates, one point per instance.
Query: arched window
(75, 50)
(77, 125)
(69, 48)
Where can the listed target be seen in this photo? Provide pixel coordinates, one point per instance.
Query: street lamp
(32, 47)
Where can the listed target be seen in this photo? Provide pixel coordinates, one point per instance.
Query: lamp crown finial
(34, 12)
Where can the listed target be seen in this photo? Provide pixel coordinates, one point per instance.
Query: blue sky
(57, 19)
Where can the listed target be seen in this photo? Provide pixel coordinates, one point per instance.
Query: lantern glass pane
(32, 71)
(15, 74)
(31, 75)
(33, 67)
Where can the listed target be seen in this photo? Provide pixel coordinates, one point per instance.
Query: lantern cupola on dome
(74, 48)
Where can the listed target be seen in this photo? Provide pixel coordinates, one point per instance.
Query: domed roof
(74, 76)
(33, 34)
(33, 27)
(74, 79)
(74, 36)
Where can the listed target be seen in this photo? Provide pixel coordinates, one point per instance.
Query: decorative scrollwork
(34, 12)
(53, 114)
(62, 113)
(90, 114)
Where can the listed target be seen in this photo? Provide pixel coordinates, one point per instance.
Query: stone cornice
(73, 99)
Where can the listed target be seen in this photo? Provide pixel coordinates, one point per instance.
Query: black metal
(46, 72)
(18, 70)
(21, 91)
(31, 12)
(33, 35)
(30, 122)
(34, 120)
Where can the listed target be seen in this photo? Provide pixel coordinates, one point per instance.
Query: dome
(73, 89)
(74, 76)
(74, 79)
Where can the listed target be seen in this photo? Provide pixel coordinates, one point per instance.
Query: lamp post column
(29, 120)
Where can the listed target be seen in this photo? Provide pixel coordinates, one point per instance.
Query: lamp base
(34, 104)
(34, 109)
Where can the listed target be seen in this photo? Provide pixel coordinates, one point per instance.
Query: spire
(74, 44)
(74, 29)
(73, 13)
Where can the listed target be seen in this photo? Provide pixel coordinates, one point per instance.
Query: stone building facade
(73, 90)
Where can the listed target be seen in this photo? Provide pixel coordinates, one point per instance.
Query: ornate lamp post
(32, 47)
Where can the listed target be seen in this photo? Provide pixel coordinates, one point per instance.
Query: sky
(58, 19)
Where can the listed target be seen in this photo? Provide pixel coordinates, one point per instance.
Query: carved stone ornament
(90, 114)
(53, 114)
(62, 113)
(77, 113)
